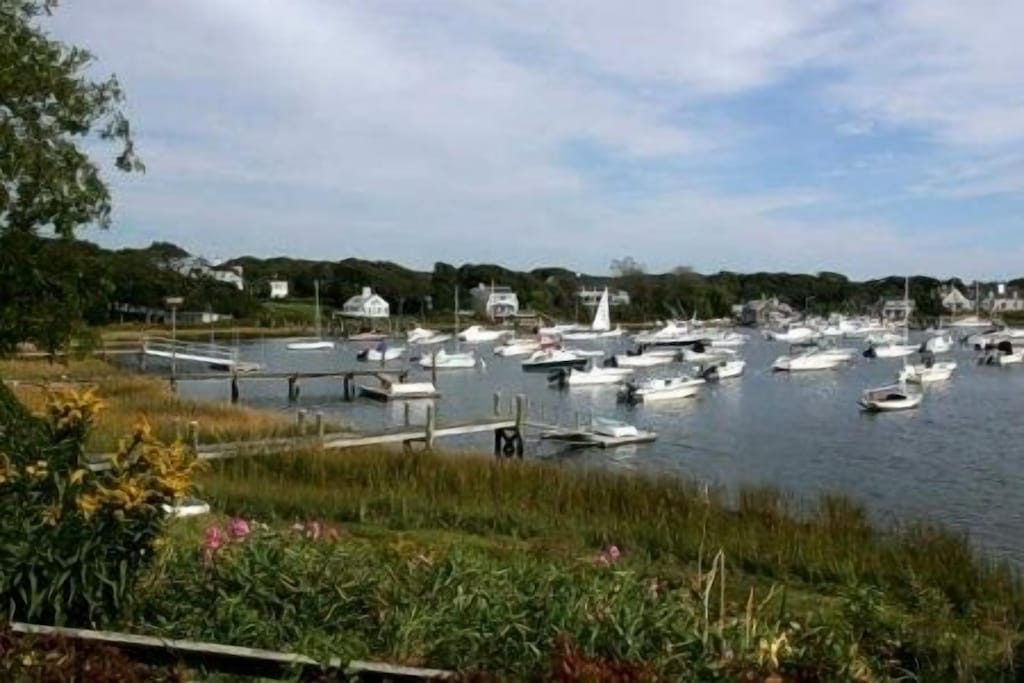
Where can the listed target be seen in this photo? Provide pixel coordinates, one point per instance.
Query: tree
(49, 108)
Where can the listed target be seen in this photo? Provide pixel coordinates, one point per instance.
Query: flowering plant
(76, 535)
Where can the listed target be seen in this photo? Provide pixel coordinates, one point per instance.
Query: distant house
(764, 311)
(495, 302)
(953, 300)
(231, 275)
(897, 310)
(366, 305)
(278, 289)
(1003, 299)
(592, 297)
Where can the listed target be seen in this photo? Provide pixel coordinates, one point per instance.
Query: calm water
(956, 459)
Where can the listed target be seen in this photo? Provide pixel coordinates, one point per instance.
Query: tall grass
(129, 396)
(932, 576)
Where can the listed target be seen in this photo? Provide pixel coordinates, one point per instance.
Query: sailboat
(896, 350)
(601, 327)
(894, 396)
(318, 343)
(441, 360)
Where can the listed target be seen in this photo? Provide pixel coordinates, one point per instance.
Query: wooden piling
(234, 387)
(193, 435)
(405, 417)
(497, 403)
(346, 391)
(293, 388)
(428, 435)
(319, 422)
(300, 418)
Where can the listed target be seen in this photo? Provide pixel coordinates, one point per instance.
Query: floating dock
(583, 438)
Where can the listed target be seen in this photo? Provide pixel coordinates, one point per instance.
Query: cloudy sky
(871, 138)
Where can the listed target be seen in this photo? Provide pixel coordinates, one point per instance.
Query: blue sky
(870, 138)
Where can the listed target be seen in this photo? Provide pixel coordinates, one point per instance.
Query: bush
(73, 540)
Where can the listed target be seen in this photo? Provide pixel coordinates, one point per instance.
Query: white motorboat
(670, 334)
(662, 389)
(475, 334)
(890, 398)
(937, 344)
(810, 360)
(442, 360)
(593, 376)
(398, 391)
(318, 343)
(517, 347)
(793, 334)
(723, 369)
(726, 340)
(890, 350)
(418, 335)
(642, 360)
(698, 353)
(613, 428)
(926, 373)
(552, 359)
(311, 345)
(883, 338)
(1002, 353)
(381, 353)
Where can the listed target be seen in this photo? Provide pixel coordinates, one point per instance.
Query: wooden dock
(232, 659)
(293, 379)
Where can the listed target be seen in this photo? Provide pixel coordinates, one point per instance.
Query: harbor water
(957, 459)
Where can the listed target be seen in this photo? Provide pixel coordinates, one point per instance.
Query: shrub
(73, 540)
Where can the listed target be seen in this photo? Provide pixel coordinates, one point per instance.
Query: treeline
(681, 292)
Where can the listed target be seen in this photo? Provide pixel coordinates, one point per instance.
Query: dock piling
(293, 388)
(319, 421)
(497, 403)
(234, 387)
(428, 435)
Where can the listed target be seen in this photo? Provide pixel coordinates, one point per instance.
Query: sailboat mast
(906, 309)
(456, 317)
(316, 313)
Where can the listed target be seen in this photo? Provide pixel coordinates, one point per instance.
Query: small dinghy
(890, 398)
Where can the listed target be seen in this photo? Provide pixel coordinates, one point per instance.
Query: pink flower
(313, 530)
(214, 538)
(238, 529)
(613, 552)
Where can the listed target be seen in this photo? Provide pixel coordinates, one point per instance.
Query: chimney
(366, 292)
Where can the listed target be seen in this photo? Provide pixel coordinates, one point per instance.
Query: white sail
(602, 318)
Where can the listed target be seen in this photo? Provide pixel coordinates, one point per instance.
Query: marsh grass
(949, 598)
(128, 396)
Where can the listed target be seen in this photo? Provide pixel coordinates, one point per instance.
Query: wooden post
(301, 420)
(346, 387)
(405, 419)
(234, 387)
(497, 403)
(429, 431)
(521, 410)
(319, 421)
(433, 368)
(193, 435)
(293, 389)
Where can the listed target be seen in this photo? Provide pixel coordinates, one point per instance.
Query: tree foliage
(49, 109)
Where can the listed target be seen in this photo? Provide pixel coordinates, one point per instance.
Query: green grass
(956, 609)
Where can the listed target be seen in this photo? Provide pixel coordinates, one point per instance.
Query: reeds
(928, 574)
(129, 396)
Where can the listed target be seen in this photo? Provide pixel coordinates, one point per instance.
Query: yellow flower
(78, 475)
(51, 515)
(88, 504)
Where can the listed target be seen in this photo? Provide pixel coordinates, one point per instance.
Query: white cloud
(423, 131)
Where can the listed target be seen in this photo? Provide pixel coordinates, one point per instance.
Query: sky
(867, 137)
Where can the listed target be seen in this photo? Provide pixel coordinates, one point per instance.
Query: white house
(278, 289)
(495, 302)
(1003, 299)
(897, 310)
(954, 301)
(231, 275)
(366, 305)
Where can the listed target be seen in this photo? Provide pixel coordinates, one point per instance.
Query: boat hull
(310, 346)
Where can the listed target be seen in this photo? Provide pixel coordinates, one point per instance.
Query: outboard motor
(698, 346)
(870, 352)
(363, 355)
(928, 358)
(709, 374)
(610, 362)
